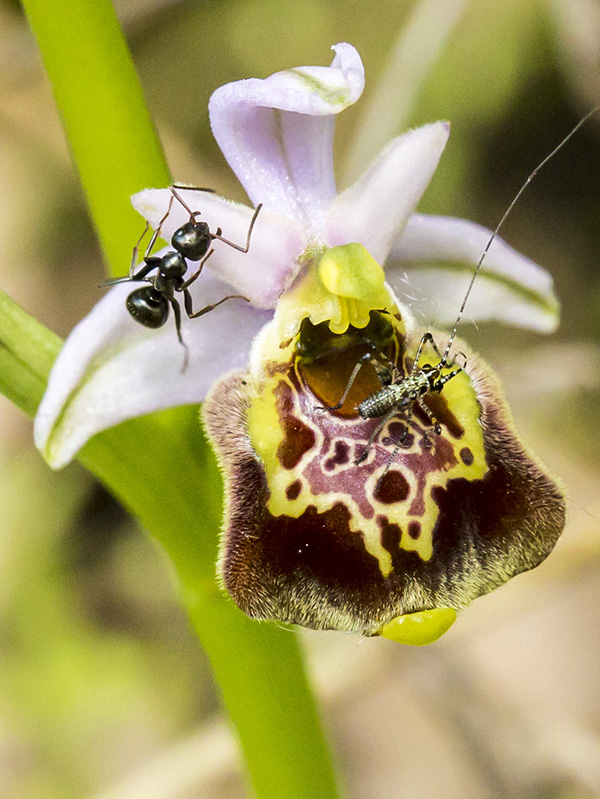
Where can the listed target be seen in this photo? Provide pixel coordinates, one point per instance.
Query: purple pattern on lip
(353, 480)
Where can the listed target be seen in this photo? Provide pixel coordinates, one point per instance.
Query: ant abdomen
(148, 306)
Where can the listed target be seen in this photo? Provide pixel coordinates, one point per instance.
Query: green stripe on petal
(439, 287)
(332, 95)
(547, 302)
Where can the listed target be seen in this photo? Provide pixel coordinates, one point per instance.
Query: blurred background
(104, 691)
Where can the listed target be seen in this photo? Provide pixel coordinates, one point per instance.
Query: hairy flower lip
(277, 134)
(312, 570)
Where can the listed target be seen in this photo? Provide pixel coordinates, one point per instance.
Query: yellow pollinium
(421, 628)
(341, 286)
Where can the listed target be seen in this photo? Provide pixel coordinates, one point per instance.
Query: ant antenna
(501, 222)
(219, 234)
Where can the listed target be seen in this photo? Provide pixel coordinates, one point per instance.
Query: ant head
(148, 307)
(192, 240)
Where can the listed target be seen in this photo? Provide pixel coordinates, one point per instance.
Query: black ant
(191, 242)
(398, 393)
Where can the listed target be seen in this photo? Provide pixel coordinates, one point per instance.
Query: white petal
(375, 209)
(264, 271)
(277, 134)
(111, 368)
(509, 287)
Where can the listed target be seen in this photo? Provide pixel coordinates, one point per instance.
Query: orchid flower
(277, 134)
(314, 272)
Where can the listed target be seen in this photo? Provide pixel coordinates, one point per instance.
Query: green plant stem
(160, 466)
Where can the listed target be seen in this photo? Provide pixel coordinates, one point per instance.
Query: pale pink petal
(277, 134)
(432, 262)
(375, 209)
(264, 271)
(111, 368)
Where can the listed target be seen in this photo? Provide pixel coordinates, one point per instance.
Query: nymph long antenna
(501, 222)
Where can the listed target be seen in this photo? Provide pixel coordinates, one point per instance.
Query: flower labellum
(315, 535)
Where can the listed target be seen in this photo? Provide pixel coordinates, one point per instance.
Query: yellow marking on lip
(462, 401)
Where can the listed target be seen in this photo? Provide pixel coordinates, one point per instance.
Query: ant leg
(116, 280)
(179, 198)
(196, 274)
(218, 235)
(157, 231)
(153, 262)
(177, 315)
(139, 276)
(187, 299)
(181, 201)
(149, 265)
(136, 249)
(191, 188)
